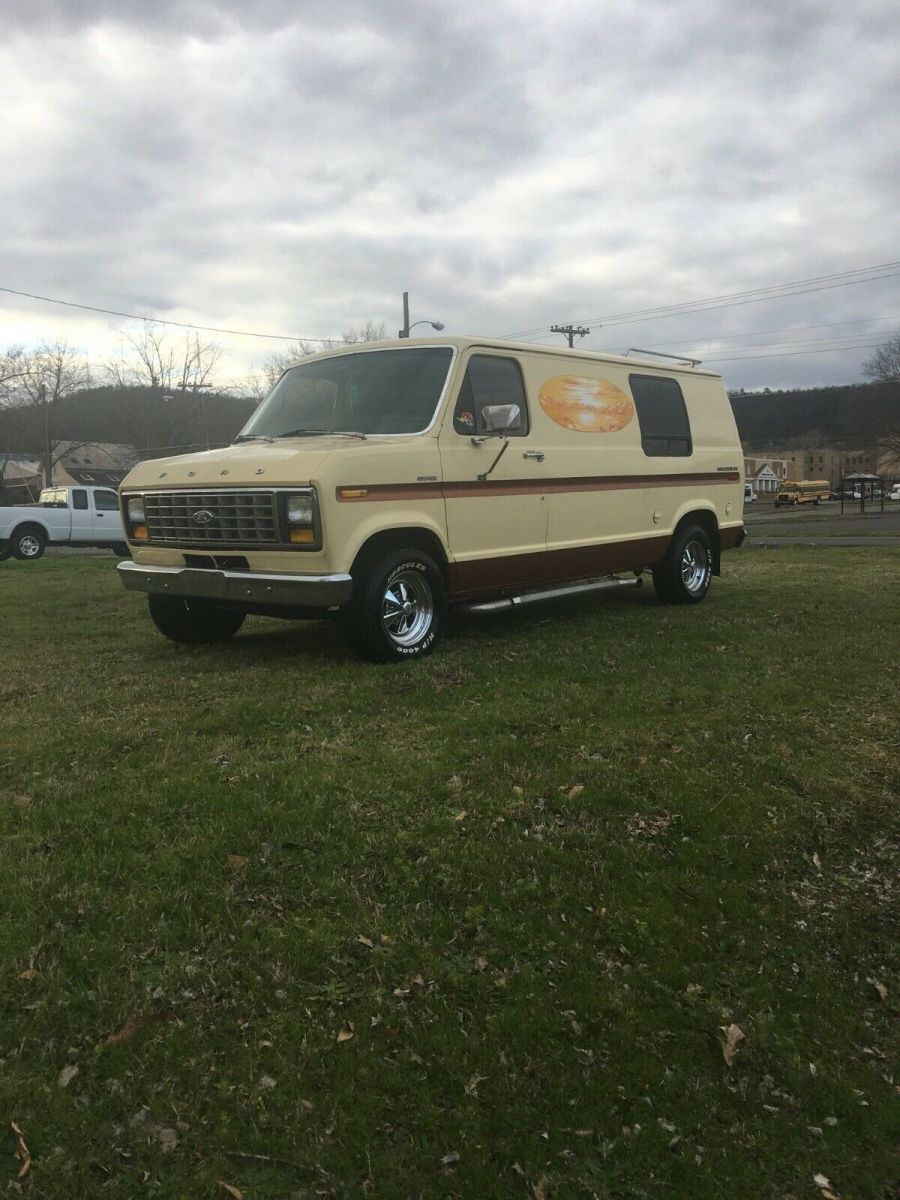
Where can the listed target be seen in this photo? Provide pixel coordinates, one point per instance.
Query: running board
(554, 593)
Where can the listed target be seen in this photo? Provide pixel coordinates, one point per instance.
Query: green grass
(537, 873)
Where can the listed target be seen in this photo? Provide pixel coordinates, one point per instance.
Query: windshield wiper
(252, 437)
(322, 433)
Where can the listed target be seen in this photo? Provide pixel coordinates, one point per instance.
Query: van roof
(668, 367)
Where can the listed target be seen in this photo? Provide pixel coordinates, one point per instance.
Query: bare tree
(276, 364)
(156, 360)
(46, 378)
(884, 365)
(163, 363)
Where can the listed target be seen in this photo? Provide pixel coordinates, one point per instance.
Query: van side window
(79, 498)
(662, 416)
(106, 501)
(489, 380)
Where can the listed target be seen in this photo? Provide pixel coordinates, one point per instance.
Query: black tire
(684, 575)
(28, 542)
(398, 608)
(194, 621)
(120, 550)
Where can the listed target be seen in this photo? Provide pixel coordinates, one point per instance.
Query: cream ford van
(382, 482)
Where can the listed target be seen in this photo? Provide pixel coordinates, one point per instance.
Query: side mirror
(500, 418)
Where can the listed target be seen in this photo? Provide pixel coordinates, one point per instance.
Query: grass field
(277, 923)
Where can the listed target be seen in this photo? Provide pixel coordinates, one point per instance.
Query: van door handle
(538, 454)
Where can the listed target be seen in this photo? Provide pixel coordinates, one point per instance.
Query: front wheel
(684, 575)
(398, 608)
(28, 543)
(194, 621)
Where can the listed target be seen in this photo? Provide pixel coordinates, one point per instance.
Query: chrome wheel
(30, 546)
(694, 568)
(407, 608)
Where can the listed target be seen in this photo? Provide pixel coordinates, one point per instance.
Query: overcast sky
(292, 167)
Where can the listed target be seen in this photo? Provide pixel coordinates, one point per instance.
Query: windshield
(374, 391)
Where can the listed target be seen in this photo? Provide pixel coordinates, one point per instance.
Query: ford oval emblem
(203, 517)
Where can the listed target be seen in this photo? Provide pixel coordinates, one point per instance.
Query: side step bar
(552, 593)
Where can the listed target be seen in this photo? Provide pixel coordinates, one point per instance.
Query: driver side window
(489, 380)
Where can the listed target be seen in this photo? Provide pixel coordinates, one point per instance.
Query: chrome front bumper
(307, 591)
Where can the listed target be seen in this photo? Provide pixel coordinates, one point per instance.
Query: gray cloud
(295, 168)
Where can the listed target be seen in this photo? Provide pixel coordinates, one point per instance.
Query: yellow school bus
(806, 491)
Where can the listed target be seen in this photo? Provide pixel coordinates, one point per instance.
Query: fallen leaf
(232, 1191)
(266, 1083)
(461, 816)
(451, 1159)
(238, 861)
(31, 973)
(733, 1036)
(540, 1188)
(346, 1032)
(572, 794)
(817, 862)
(133, 1024)
(66, 1075)
(168, 1139)
(364, 941)
(385, 939)
(823, 1183)
(517, 791)
(876, 984)
(23, 1154)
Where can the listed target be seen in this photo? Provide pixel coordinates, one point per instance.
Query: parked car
(384, 482)
(894, 493)
(63, 516)
(749, 494)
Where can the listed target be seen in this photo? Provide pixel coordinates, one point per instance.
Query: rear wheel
(120, 550)
(398, 608)
(28, 542)
(684, 575)
(194, 621)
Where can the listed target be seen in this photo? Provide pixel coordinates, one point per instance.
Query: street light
(404, 332)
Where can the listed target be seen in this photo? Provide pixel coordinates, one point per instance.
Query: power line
(736, 337)
(774, 291)
(793, 353)
(111, 312)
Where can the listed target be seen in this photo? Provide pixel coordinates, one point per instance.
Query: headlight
(300, 510)
(300, 520)
(136, 510)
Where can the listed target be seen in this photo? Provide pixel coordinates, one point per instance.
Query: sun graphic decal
(586, 405)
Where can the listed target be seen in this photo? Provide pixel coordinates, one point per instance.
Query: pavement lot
(823, 525)
(767, 526)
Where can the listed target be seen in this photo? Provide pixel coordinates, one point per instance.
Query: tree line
(158, 393)
(162, 393)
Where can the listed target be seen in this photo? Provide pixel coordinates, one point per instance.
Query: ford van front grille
(236, 517)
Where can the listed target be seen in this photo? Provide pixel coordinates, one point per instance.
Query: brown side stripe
(367, 493)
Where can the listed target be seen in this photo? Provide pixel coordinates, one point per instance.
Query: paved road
(767, 525)
(824, 525)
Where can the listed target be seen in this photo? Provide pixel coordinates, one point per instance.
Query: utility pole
(404, 332)
(571, 332)
(48, 450)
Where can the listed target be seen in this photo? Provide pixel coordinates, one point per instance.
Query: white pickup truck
(63, 516)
